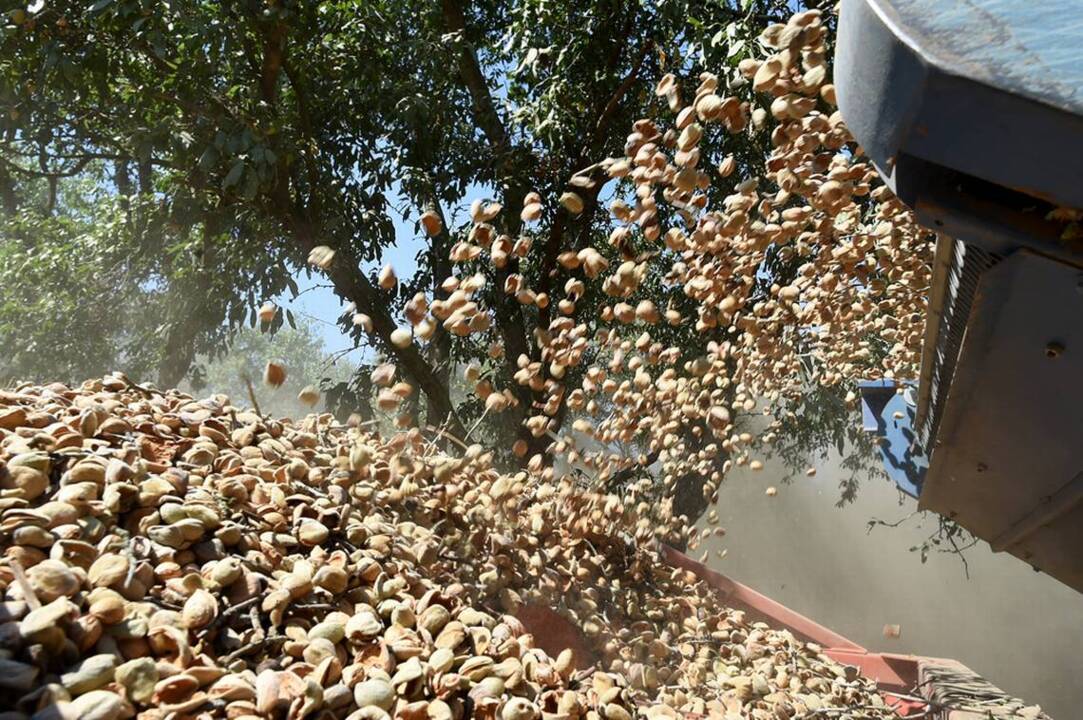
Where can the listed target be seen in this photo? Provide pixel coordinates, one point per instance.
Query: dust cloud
(1020, 629)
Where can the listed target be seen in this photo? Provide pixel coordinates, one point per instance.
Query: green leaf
(251, 186)
(289, 318)
(208, 159)
(234, 175)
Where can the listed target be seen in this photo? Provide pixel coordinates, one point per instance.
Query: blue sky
(319, 302)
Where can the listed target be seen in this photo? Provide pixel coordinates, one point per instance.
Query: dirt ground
(1021, 629)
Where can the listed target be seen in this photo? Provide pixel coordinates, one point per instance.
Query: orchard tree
(74, 296)
(677, 231)
(254, 132)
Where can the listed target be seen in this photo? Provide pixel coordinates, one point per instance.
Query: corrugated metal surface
(959, 693)
(968, 263)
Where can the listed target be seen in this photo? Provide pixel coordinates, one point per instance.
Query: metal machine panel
(1009, 456)
(958, 269)
(990, 90)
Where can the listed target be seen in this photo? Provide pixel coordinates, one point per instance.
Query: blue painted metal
(940, 92)
(889, 414)
(1024, 47)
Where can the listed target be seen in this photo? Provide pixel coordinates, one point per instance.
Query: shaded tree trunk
(198, 315)
(179, 351)
(122, 178)
(7, 193)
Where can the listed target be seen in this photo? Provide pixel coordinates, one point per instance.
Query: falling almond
(267, 312)
(531, 212)
(401, 338)
(309, 395)
(362, 321)
(665, 85)
(727, 166)
(572, 202)
(321, 256)
(274, 374)
(432, 224)
(387, 278)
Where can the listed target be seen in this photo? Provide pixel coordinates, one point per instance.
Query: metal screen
(968, 263)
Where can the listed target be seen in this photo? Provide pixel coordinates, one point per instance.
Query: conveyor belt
(960, 693)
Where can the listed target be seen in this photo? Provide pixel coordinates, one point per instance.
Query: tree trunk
(198, 316)
(351, 283)
(439, 348)
(7, 193)
(178, 354)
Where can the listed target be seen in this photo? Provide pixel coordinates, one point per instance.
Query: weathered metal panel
(990, 90)
(1022, 47)
(1010, 442)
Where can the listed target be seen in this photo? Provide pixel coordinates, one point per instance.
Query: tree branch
(470, 72)
(613, 104)
(352, 284)
(439, 245)
(562, 221)
(274, 51)
(510, 323)
(7, 192)
(75, 170)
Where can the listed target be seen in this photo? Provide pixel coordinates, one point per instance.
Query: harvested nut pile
(166, 557)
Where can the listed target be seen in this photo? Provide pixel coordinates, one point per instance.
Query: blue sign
(889, 414)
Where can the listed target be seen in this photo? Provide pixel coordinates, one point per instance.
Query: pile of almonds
(168, 557)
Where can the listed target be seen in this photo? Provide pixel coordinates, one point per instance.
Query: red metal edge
(893, 673)
(552, 632)
(760, 607)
